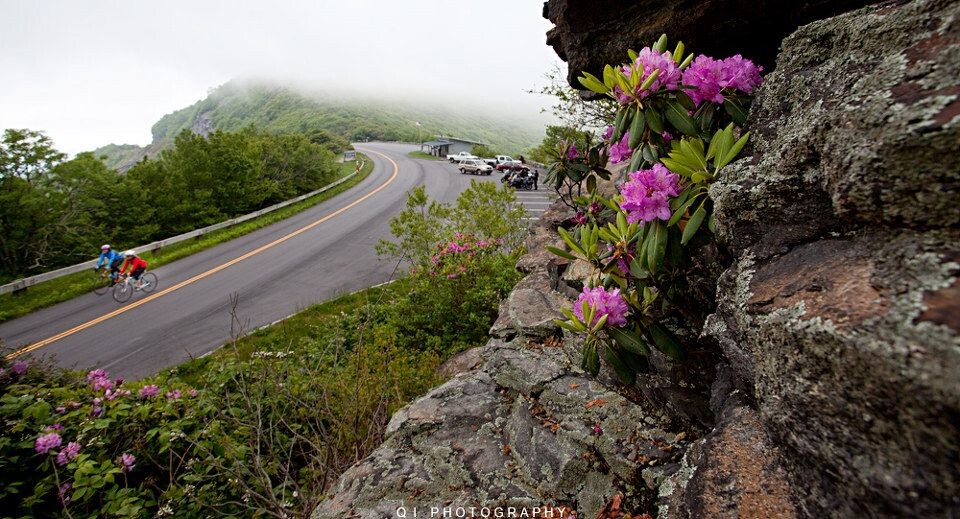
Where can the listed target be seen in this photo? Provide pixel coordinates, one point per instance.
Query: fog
(95, 72)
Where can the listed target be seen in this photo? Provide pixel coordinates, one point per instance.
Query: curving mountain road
(310, 257)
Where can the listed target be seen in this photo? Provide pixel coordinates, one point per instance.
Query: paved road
(331, 258)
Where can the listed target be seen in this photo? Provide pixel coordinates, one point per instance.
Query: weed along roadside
(67, 287)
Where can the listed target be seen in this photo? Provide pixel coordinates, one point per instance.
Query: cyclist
(134, 265)
(110, 258)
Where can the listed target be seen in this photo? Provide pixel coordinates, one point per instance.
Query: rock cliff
(823, 382)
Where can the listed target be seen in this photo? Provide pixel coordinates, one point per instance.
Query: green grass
(422, 155)
(286, 332)
(64, 288)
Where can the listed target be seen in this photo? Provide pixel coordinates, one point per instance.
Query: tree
(547, 150)
(570, 108)
(27, 154)
(482, 150)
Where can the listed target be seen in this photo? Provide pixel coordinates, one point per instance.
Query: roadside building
(444, 146)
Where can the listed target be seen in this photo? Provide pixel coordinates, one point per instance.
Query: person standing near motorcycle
(536, 178)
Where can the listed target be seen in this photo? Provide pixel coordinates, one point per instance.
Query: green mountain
(284, 110)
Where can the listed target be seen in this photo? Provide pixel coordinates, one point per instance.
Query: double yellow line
(198, 277)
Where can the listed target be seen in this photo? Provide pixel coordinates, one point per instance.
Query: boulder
(589, 34)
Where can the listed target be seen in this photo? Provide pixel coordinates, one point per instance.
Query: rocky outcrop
(839, 314)
(588, 34)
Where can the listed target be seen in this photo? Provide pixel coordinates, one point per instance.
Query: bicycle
(102, 282)
(126, 286)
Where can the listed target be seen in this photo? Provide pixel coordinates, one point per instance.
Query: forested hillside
(273, 109)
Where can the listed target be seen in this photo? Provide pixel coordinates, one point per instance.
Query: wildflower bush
(677, 125)
(264, 426)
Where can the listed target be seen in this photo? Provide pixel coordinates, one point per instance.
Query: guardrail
(22, 284)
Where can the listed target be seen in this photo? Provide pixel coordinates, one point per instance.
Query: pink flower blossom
(126, 462)
(64, 493)
(580, 218)
(174, 395)
(572, 152)
(647, 61)
(608, 132)
(102, 384)
(620, 151)
(597, 430)
(711, 77)
(148, 391)
(19, 367)
(594, 208)
(193, 393)
(603, 303)
(645, 195)
(46, 442)
(55, 427)
(666, 136)
(68, 453)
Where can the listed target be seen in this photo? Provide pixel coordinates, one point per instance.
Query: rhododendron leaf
(712, 224)
(694, 223)
(624, 374)
(562, 253)
(654, 119)
(638, 363)
(636, 129)
(591, 361)
(567, 325)
(647, 152)
(635, 162)
(735, 150)
(693, 152)
(592, 83)
(736, 111)
(705, 116)
(634, 76)
(633, 54)
(678, 52)
(661, 44)
(629, 340)
(608, 78)
(665, 341)
(603, 318)
(686, 62)
(657, 246)
(574, 246)
(591, 184)
(680, 119)
(623, 81)
(678, 214)
(620, 124)
(677, 167)
(685, 100)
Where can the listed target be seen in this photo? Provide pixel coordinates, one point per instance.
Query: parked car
(461, 157)
(475, 167)
(514, 165)
(499, 159)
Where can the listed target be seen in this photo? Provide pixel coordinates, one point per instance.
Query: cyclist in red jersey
(135, 265)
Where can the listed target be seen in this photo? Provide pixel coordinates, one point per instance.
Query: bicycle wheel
(148, 282)
(101, 284)
(122, 292)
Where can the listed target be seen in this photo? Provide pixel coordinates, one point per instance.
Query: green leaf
(685, 100)
(657, 246)
(633, 54)
(678, 213)
(680, 119)
(622, 122)
(734, 150)
(661, 44)
(562, 253)
(736, 110)
(694, 223)
(650, 79)
(665, 341)
(654, 119)
(636, 129)
(686, 61)
(592, 83)
(635, 161)
(624, 373)
(591, 360)
(629, 340)
(636, 270)
(608, 78)
(678, 52)
(592, 184)
(712, 224)
(678, 167)
(693, 150)
(574, 246)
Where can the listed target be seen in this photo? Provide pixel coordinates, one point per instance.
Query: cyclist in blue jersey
(111, 258)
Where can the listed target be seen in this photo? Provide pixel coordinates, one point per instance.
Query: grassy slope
(422, 155)
(67, 287)
(275, 109)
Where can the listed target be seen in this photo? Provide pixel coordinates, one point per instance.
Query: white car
(460, 157)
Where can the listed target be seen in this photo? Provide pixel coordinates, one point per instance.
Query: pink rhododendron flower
(620, 151)
(603, 303)
(55, 427)
(64, 493)
(608, 132)
(102, 384)
(68, 453)
(19, 367)
(580, 218)
(94, 374)
(647, 61)
(126, 462)
(572, 152)
(646, 194)
(46, 442)
(174, 395)
(150, 390)
(666, 136)
(711, 76)
(193, 393)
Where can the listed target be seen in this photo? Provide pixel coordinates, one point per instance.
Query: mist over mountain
(354, 117)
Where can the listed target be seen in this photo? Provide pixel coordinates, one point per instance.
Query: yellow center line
(198, 277)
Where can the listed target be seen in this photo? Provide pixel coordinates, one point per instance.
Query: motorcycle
(518, 181)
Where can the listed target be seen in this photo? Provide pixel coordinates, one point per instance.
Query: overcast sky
(93, 72)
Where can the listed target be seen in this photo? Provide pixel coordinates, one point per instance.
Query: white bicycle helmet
(130, 252)
(105, 246)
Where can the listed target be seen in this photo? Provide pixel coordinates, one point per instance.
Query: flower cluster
(149, 391)
(648, 61)
(603, 303)
(19, 367)
(126, 462)
(646, 194)
(68, 453)
(620, 151)
(710, 77)
(463, 246)
(46, 442)
(99, 380)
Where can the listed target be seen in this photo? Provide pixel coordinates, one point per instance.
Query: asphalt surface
(331, 258)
